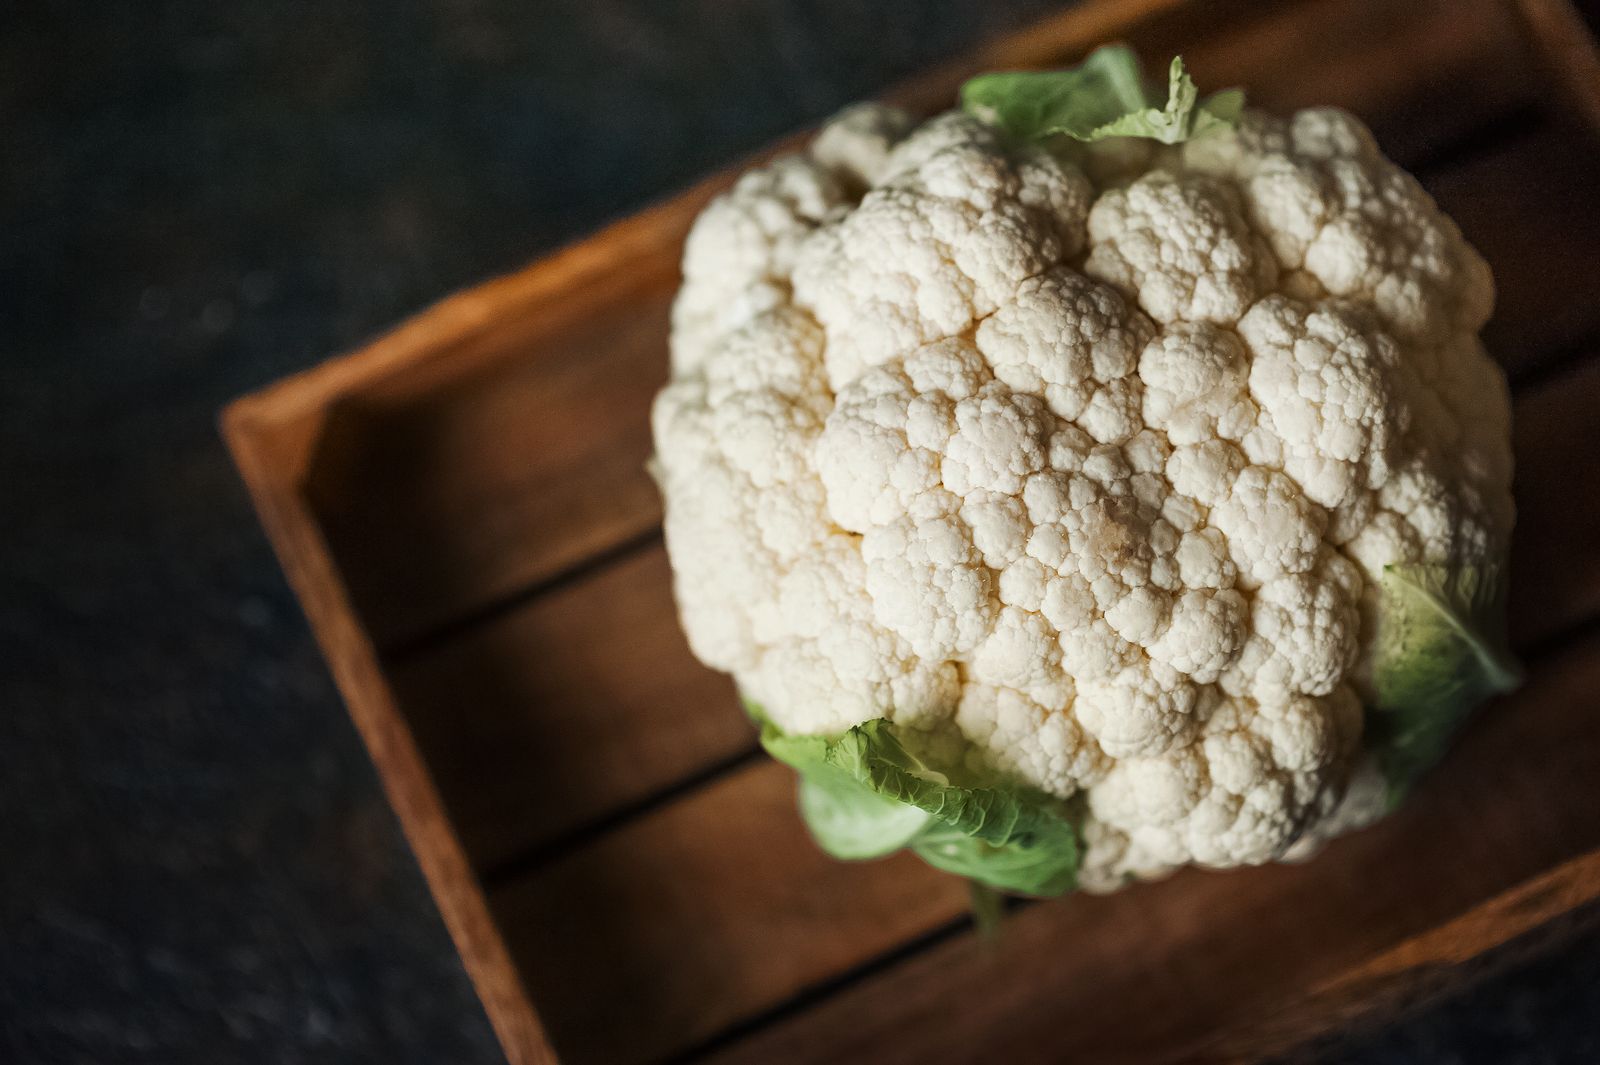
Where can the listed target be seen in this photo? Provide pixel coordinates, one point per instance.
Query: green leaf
(1104, 96)
(1442, 650)
(865, 794)
(851, 821)
(847, 819)
(1045, 866)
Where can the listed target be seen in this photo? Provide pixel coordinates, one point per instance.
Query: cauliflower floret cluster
(1089, 472)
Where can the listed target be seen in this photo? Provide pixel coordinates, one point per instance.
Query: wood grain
(1555, 554)
(1422, 76)
(513, 447)
(585, 701)
(700, 913)
(1441, 961)
(1152, 973)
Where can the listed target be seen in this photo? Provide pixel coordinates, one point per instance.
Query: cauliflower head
(1074, 507)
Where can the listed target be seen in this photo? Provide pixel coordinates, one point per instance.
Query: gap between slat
(531, 860)
(810, 996)
(463, 625)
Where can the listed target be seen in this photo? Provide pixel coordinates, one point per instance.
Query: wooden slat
(1421, 75)
(1566, 48)
(1204, 952)
(677, 925)
(516, 448)
(1555, 559)
(1528, 205)
(1442, 961)
(587, 700)
(439, 503)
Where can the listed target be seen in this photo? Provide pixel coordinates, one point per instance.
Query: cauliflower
(1079, 488)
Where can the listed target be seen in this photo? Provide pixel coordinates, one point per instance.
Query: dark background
(198, 197)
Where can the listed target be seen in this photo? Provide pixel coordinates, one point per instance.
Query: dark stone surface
(196, 198)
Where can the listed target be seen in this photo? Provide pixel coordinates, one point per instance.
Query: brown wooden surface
(624, 710)
(1528, 204)
(1457, 954)
(705, 911)
(1566, 49)
(1555, 555)
(462, 510)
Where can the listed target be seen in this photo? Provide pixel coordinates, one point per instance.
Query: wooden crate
(463, 511)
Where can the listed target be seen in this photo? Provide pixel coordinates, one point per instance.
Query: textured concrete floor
(197, 198)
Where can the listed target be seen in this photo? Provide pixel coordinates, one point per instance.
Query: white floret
(1074, 342)
(1045, 748)
(1334, 209)
(1321, 376)
(928, 582)
(855, 145)
(738, 256)
(835, 666)
(1000, 439)
(724, 442)
(1303, 634)
(1138, 711)
(1203, 635)
(1271, 528)
(957, 226)
(1181, 244)
(1254, 779)
(1194, 376)
(880, 449)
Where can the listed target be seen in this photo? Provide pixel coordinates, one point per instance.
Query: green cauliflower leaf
(1104, 96)
(1441, 651)
(865, 794)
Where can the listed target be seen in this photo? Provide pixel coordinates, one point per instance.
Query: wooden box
(463, 510)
